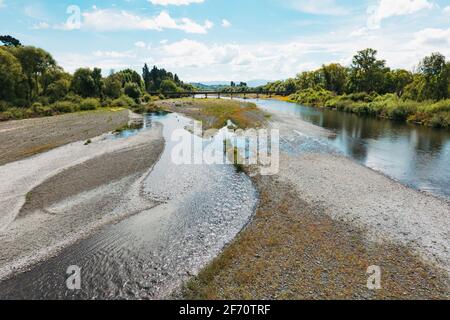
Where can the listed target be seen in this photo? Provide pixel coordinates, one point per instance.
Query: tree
(85, 83)
(10, 41)
(436, 73)
(396, 81)
(168, 86)
(10, 75)
(58, 90)
(310, 80)
(133, 90)
(113, 87)
(35, 62)
(367, 72)
(334, 77)
(289, 86)
(146, 76)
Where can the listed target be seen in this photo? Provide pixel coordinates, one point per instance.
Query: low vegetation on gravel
(215, 113)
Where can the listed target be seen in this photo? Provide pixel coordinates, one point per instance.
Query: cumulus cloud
(386, 8)
(115, 20)
(174, 2)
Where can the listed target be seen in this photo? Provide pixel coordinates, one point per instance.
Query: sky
(224, 40)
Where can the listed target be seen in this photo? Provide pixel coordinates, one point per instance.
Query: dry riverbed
(55, 198)
(24, 138)
(321, 222)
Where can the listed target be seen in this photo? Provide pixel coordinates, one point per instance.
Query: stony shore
(322, 221)
(53, 199)
(24, 138)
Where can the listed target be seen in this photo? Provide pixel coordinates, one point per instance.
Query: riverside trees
(368, 86)
(32, 84)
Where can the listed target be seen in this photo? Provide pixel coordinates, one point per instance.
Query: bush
(72, 97)
(106, 103)
(89, 104)
(312, 97)
(123, 102)
(4, 106)
(64, 107)
(132, 90)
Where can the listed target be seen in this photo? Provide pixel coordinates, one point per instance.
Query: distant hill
(218, 85)
(212, 87)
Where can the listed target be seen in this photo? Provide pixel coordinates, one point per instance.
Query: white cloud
(140, 44)
(41, 26)
(226, 23)
(115, 20)
(437, 38)
(114, 54)
(320, 7)
(174, 2)
(388, 8)
(447, 9)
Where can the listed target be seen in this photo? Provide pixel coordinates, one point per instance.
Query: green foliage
(123, 102)
(90, 104)
(9, 41)
(155, 79)
(132, 90)
(113, 87)
(87, 82)
(367, 72)
(64, 107)
(10, 75)
(168, 86)
(313, 97)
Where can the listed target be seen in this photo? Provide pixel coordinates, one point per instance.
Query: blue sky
(241, 40)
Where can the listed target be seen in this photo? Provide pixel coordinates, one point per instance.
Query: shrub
(123, 102)
(72, 97)
(313, 97)
(89, 104)
(64, 107)
(106, 102)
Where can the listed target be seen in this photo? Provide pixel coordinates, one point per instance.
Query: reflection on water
(414, 155)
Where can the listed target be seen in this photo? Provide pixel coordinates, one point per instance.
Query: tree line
(369, 86)
(369, 74)
(31, 78)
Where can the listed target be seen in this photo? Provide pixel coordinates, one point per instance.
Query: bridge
(219, 93)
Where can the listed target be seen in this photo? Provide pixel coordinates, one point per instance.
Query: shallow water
(413, 155)
(149, 255)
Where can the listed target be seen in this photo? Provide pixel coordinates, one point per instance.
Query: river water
(416, 156)
(152, 253)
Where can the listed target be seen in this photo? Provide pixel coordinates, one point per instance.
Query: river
(152, 253)
(416, 156)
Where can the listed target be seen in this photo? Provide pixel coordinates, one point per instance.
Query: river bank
(25, 138)
(55, 198)
(321, 222)
(140, 257)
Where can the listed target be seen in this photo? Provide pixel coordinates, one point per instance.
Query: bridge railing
(218, 93)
